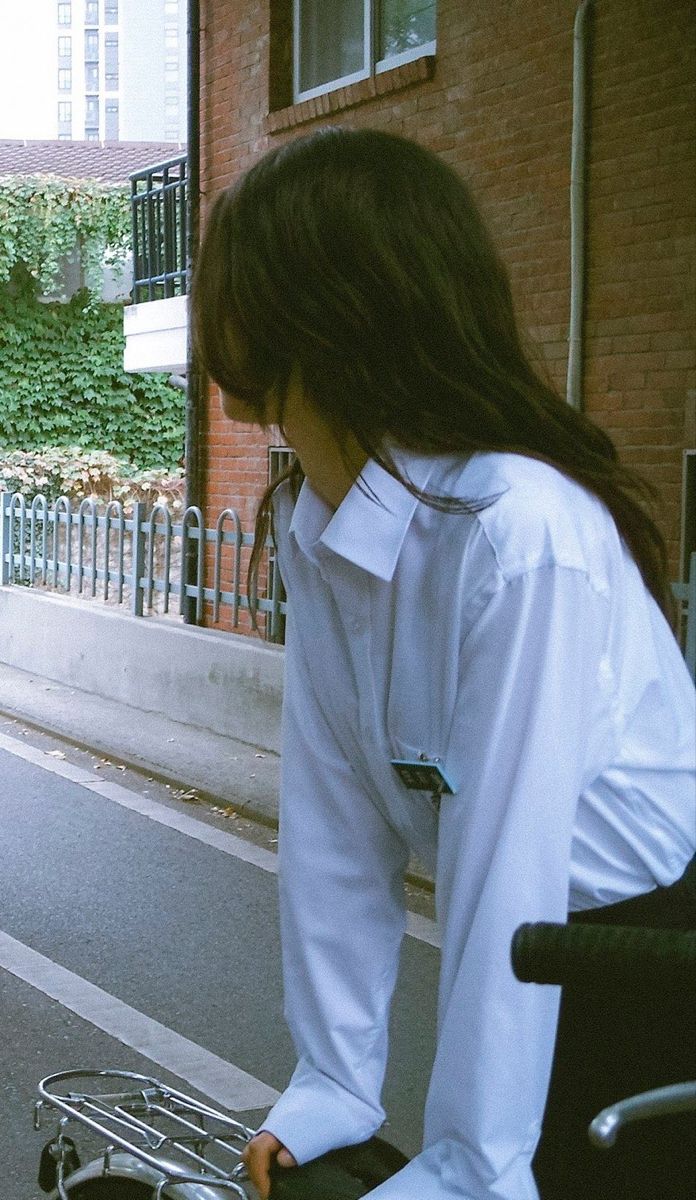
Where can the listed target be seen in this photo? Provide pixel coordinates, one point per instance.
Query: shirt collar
(369, 526)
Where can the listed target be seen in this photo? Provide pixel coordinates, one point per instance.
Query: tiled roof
(112, 162)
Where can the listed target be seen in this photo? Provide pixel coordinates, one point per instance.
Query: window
(92, 12)
(91, 110)
(404, 28)
(111, 61)
(340, 41)
(91, 46)
(65, 14)
(111, 12)
(64, 80)
(111, 121)
(91, 77)
(64, 118)
(91, 135)
(64, 47)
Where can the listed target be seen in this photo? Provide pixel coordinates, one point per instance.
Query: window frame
(92, 39)
(92, 111)
(371, 65)
(64, 14)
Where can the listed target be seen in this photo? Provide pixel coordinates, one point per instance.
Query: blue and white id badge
(424, 775)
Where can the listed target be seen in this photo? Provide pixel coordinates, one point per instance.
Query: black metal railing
(160, 230)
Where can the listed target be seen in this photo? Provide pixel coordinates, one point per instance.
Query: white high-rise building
(94, 70)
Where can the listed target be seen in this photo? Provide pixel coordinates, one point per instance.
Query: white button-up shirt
(519, 647)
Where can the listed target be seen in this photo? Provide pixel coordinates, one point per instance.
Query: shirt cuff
(316, 1114)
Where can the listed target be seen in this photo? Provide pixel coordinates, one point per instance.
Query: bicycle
(158, 1143)
(644, 961)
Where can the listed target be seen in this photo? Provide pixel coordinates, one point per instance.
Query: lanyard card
(423, 776)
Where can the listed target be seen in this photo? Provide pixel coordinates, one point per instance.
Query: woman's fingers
(258, 1156)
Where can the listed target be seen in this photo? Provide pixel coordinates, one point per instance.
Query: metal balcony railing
(160, 230)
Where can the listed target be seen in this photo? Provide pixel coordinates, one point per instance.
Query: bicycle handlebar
(646, 961)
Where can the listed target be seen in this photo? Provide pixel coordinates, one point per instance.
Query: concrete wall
(156, 334)
(215, 681)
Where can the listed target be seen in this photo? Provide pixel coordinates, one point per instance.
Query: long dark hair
(362, 258)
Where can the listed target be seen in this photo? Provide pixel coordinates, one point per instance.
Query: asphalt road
(149, 898)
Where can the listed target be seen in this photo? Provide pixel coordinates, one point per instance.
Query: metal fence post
(5, 537)
(138, 560)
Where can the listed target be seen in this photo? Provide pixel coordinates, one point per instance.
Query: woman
(475, 591)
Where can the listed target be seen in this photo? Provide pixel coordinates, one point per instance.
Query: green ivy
(62, 383)
(44, 218)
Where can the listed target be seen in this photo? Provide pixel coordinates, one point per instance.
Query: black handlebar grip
(656, 962)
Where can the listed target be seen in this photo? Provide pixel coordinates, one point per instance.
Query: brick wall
(496, 103)
(642, 216)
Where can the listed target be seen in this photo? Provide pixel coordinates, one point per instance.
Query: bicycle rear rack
(185, 1140)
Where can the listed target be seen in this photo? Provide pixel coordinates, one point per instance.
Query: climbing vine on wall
(44, 218)
(62, 383)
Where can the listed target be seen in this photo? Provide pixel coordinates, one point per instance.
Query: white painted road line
(421, 928)
(221, 1081)
(39, 758)
(219, 839)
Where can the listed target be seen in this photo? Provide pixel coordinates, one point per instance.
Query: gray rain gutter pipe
(574, 381)
(193, 443)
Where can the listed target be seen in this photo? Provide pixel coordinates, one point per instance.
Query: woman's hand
(259, 1154)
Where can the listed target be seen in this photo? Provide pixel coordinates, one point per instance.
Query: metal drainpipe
(574, 382)
(193, 445)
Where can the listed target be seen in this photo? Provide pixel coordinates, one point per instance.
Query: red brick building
(489, 86)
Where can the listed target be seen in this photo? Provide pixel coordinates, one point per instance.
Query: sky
(27, 37)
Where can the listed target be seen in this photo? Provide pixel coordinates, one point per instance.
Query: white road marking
(222, 1081)
(421, 928)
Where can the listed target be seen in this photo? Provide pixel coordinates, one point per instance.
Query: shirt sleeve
(342, 912)
(524, 741)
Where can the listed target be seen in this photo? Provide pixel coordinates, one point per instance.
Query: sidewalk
(219, 767)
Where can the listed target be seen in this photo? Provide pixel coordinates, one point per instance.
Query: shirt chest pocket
(419, 709)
